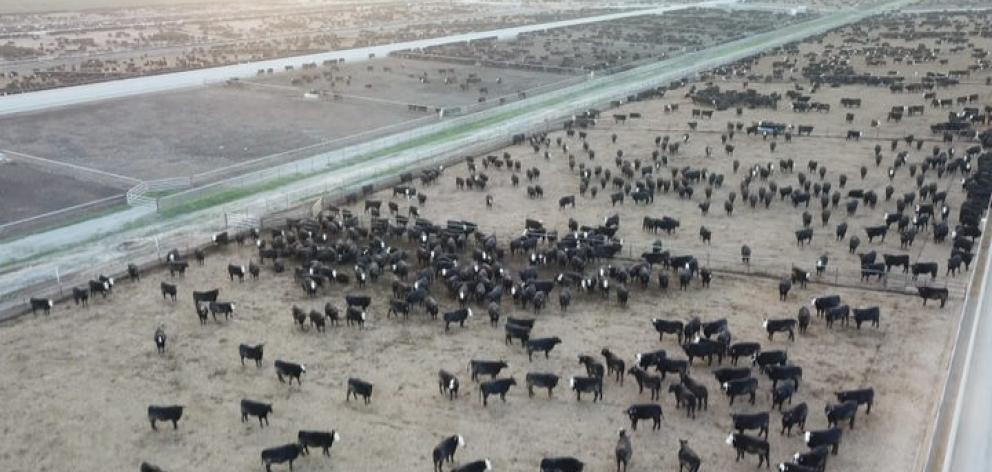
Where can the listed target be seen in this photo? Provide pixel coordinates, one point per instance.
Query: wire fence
(61, 216)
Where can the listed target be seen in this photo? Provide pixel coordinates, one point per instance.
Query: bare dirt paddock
(183, 133)
(22, 196)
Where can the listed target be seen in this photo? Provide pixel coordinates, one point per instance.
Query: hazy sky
(21, 6)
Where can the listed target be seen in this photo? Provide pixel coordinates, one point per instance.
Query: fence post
(58, 279)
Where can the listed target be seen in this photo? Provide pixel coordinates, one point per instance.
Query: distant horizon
(13, 7)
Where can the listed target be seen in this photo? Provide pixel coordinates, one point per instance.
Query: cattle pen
(393, 155)
(471, 212)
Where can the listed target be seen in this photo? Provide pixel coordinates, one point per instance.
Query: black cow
(795, 416)
(582, 385)
(804, 235)
(790, 467)
(779, 325)
(291, 370)
(704, 348)
(933, 293)
(924, 268)
(876, 269)
(495, 387)
(839, 312)
(624, 451)
(650, 359)
(803, 318)
(737, 387)
(251, 352)
(725, 374)
(358, 387)
(80, 295)
(445, 450)
(482, 465)
(864, 396)
(652, 382)
(697, 389)
(207, 296)
(278, 455)
(541, 380)
(165, 413)
(146, 467)
(824, 437)
(666, 326)
(593, 368)
(566, 201)
(876, 232)
(815, 458)
(458, 316)
(823, 303)
(225, 308)
(672, 366)
(841, 412)
(541, 345)
(614, 365)
(317, 320)
(784, 286)
(203, 311)
(362, 301)
(160, 339)
(490, 368)
(748, 421)
(447, 384)
(561, 464)
(688, 458)
(178, 266)
(778, 373)
(799, 276)
(644, 411)
(764, 359)
(104, 288)
(782, 393)
(354, 315)
(253, 408)
(321, 439)
(746, 444)
(684, 397)
(515, 331)
(862, 315)
(168, 290)
(236, 271)
(893, 260)
(742, 349)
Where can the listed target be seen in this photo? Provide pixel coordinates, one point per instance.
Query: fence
(84, 174)
(60, 217)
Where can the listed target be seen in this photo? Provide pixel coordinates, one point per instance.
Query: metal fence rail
(58, 217)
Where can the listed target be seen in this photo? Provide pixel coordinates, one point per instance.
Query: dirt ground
(183, 133)
(106, 353)
(23, 197)
(399, 81)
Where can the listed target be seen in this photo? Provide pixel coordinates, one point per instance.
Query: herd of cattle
(420, 266)
(455, 262)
